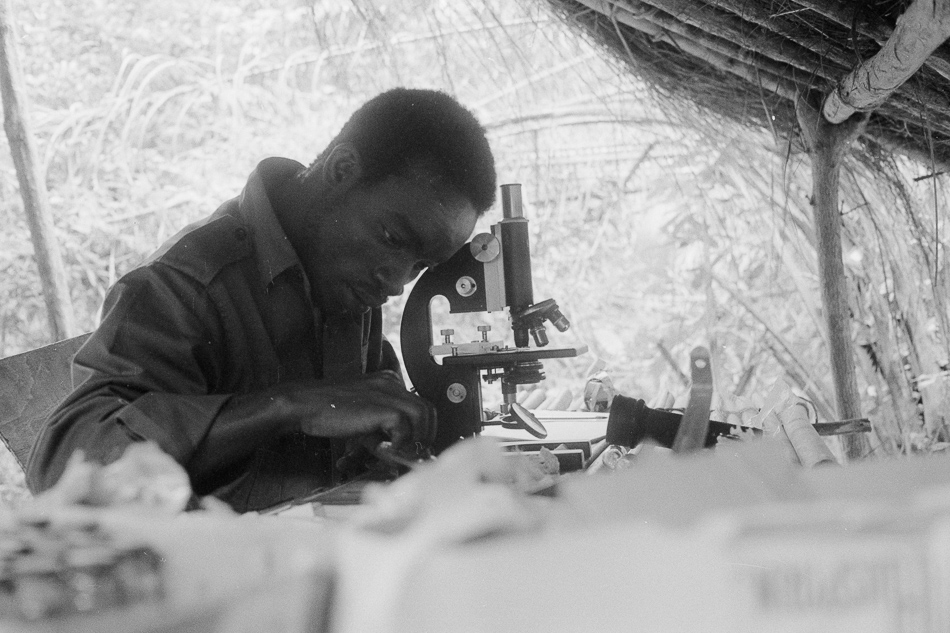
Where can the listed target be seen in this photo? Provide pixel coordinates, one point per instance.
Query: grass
(13, 490)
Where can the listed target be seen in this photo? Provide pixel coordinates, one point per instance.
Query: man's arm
(148, 372)
(143, 374)
(373, 404)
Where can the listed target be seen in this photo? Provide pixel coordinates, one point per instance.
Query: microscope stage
(505, 357)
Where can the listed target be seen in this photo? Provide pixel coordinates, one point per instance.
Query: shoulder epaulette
(202, 249)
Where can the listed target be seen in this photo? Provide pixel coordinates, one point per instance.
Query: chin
(335, 306)
(353, 308)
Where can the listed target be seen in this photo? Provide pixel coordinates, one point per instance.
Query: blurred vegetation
(655, 225)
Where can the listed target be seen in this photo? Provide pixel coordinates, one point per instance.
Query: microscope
(490, 273)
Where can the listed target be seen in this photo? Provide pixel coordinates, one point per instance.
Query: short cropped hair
(404, 128)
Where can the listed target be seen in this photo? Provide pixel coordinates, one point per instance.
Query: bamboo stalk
(828, 50)
(809, 447)
(771, 83)
(710, 20)
(565, 116)
(724, 46)
(710, 27)
(923, 26)
(922, 349)
(16, 124)
(885, 329)
(775, 45)
(761, 17)
(744, 380)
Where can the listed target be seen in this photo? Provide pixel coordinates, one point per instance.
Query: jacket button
(240, 233)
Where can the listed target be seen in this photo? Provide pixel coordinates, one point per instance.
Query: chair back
(31, 385)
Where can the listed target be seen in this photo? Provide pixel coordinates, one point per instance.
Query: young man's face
(377, 238)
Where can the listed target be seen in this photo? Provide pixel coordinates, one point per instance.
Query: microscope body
(490, 273)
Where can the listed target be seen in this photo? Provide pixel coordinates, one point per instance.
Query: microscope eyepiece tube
(516, 255)
(511, 201)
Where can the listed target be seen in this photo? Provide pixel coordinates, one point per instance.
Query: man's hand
(374, 403)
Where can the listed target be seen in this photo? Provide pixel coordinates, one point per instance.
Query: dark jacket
(223, 308)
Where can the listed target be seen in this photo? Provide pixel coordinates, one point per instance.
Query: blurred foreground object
(757, 543)
(144, 476)
(474, 491)
(87, 569)
(475, 477)
(53, 571)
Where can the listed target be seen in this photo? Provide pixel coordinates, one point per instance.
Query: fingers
(417, 419)
(388, 423)
(373, 402)
(387, 378)
(399, 431)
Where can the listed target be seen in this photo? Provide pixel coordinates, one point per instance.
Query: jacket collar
(274, 251)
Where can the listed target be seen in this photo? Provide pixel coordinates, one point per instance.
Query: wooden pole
(923, 27)
(16, 124)
(828, 144)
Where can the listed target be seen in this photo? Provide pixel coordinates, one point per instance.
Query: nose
(389, 288)
(393, 279)
(395, 272)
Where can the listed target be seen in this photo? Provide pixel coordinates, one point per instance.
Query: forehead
(437, 217)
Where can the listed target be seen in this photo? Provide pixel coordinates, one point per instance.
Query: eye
(392, 239)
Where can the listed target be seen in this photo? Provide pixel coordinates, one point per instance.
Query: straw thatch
(749, 60)
(715, 61)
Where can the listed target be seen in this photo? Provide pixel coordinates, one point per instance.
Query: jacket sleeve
(146, 373)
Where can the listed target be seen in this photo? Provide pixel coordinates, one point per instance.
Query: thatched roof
(748, 61)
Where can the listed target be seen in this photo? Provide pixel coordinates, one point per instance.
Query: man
(252, 340)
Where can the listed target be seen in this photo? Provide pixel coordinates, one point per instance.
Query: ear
(343, 166)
